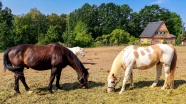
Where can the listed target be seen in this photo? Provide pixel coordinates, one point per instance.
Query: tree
(119, 36)
(82, 38)
(50, 37)
(59, 23)
(6, 30)
(29, 27)
(105, 39)
(108, 17)
(124, 17)
(134, 27)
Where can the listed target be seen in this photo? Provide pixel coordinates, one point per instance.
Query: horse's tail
(172, 69)
(6, 62)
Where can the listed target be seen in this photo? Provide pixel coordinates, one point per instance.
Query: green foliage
(50, 37)
(6, 27)
(134, 41)
(82, 38)
(58, 22)
(146, 44)
(105, 39)
(119, 36)
(179, 40)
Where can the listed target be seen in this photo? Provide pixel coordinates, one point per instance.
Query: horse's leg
(131, 80)
(58, 75)
(158, 74)
(167, 71)
(16, 83)
(19, 75)
(52, 77)
(22, 78)
(126, 78)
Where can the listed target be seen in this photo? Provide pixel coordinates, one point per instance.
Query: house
(157, 32)
(184, 42)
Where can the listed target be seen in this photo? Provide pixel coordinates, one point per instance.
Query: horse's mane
(71, 57)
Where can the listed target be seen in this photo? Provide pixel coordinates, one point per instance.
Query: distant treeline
(87, 26)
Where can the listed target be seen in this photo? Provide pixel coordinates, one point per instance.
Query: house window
(156, 40)
(164, 32)
(141, 40)
(149, 40)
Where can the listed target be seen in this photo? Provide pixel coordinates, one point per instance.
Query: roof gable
(150, 29)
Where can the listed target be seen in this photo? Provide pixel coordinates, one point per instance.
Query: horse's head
(83, 80)
(112, 82)
(80, 51)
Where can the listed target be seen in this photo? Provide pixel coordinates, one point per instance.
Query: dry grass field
(98, 60)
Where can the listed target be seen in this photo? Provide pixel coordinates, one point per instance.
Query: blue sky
(66, 6)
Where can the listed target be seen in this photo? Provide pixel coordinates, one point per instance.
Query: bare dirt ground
(98, 60)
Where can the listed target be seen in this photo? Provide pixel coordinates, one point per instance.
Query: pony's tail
(6, 62)
(172, 69)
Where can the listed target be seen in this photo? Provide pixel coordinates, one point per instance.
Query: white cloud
(159, 2)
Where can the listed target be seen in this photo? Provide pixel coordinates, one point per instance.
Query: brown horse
(43, 57)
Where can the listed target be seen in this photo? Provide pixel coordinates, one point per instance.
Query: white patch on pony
(77, 50)
(167, 54)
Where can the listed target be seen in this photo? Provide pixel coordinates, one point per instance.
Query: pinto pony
(43, 57)
(161, 55)
(77, 50)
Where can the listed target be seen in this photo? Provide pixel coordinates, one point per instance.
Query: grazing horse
(77, 50)
(43, 57)
(144, 58)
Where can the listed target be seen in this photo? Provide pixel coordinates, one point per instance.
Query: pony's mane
(116, 65)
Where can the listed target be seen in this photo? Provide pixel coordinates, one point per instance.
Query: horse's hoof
(120, 92)
(163, 88)
(153, 85)
(27, 89)
(51, 92)
(17, 93)
(30, 92)
(58, 88)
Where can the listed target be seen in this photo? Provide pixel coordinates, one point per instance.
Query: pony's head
(80, 51)
(112, 82)
(83, 80)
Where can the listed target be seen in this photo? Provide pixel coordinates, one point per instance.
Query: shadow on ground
(68, 87)
(91, 63)
(141, 84)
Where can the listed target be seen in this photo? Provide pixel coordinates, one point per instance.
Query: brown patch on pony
(136, 54)
(158, 52)
(147, 49)
(144, 66)
(113, 77)
(123, 66)
(172, 69)
(155, 57)
(135, 48)
(142, 52)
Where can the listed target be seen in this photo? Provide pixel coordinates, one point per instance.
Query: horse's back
(167, 53)
(148, 56)
(39, 57)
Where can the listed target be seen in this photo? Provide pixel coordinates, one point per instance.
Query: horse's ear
(87, 68)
